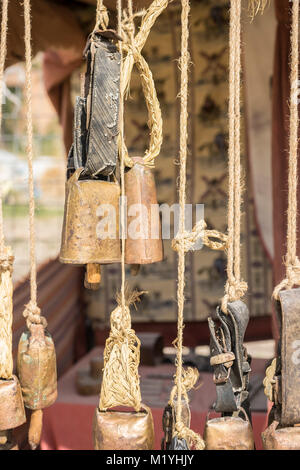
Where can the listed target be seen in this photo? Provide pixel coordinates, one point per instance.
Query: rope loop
(32, 314)
(102, 17)
(6, 260)
(209, 238)
(234, 290)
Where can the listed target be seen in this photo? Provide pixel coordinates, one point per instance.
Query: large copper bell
(123, 430)
(228, 433)
(12, 413)
(87, 201)
(140, 190)
(37, 368)
(275, 438)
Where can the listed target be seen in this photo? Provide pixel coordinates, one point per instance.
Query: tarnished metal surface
(228, 433)
(120, 430)
(37, 368)
(140, 189)
(281, 439)
(290, 357)
(80, 244)
(12, 413)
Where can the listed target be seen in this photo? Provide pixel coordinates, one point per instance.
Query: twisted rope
(31, 312)
(181, 430)
(6, 255)
(132, 45)
(102, 18)
(235, 287)
(256, 6)
(292, 261)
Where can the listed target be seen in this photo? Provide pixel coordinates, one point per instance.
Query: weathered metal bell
(37, 368)
(145, 247)
(87, 201)
(282, 438)
(228, 433)
(12, 413)
(123, 430)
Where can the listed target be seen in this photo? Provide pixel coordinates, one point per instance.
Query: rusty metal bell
(37, 368)
(12, 413)
(123, 430)
(275, 438)
(84, 206)
(228, 433)
(140, 189)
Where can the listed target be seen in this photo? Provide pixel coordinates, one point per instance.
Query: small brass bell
(37, 368)
(276, 438)
(143, 244)
(123, 430)
(83, 241)
(12, 413)
(228, 433)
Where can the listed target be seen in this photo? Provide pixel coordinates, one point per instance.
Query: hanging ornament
(114, 429)
(12, 413)
(282, 382)
(36, 353)
(91, 165)
(229, 358)
(143, 245)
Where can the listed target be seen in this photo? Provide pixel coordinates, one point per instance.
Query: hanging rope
(181, 384)
(6, 256)
(132, 45)
(292, 261)
(120, 383)
(235, 288)
(102, 18)
(32, 312)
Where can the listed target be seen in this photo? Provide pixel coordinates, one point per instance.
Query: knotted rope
(209, 238)
(235, 287)
(181, 430)
(132, 45)
(120, 383)
(6, 255)
(292, 261)
(31, 312)
(102, 18)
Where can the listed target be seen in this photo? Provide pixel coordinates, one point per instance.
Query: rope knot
(102, 17)
(6, 260)
(213, 239)
(32, 314)
(234, 290)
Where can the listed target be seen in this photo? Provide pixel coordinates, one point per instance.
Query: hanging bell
(228, 433)
(143, 244)
(123, 430)
(37, 368)
(86, 239)
(276, 438)
(12, 413)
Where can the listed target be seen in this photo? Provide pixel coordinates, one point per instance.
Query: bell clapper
(35, 428)
(92, 278)
(135, 269)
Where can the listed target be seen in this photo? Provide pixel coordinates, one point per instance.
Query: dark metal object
(140, 189)
(37, 368)
(80, 244)
(88, 382)
(96, 125)
(12, 413)
(167, 423)
(151, 348)
(228, 433)
(121, 430)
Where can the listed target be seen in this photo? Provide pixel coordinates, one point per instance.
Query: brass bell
(37, 368)
(83, 243)
(12, 413)
(123, 430)
(143, 245)
(228, 433)
(275, 438)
